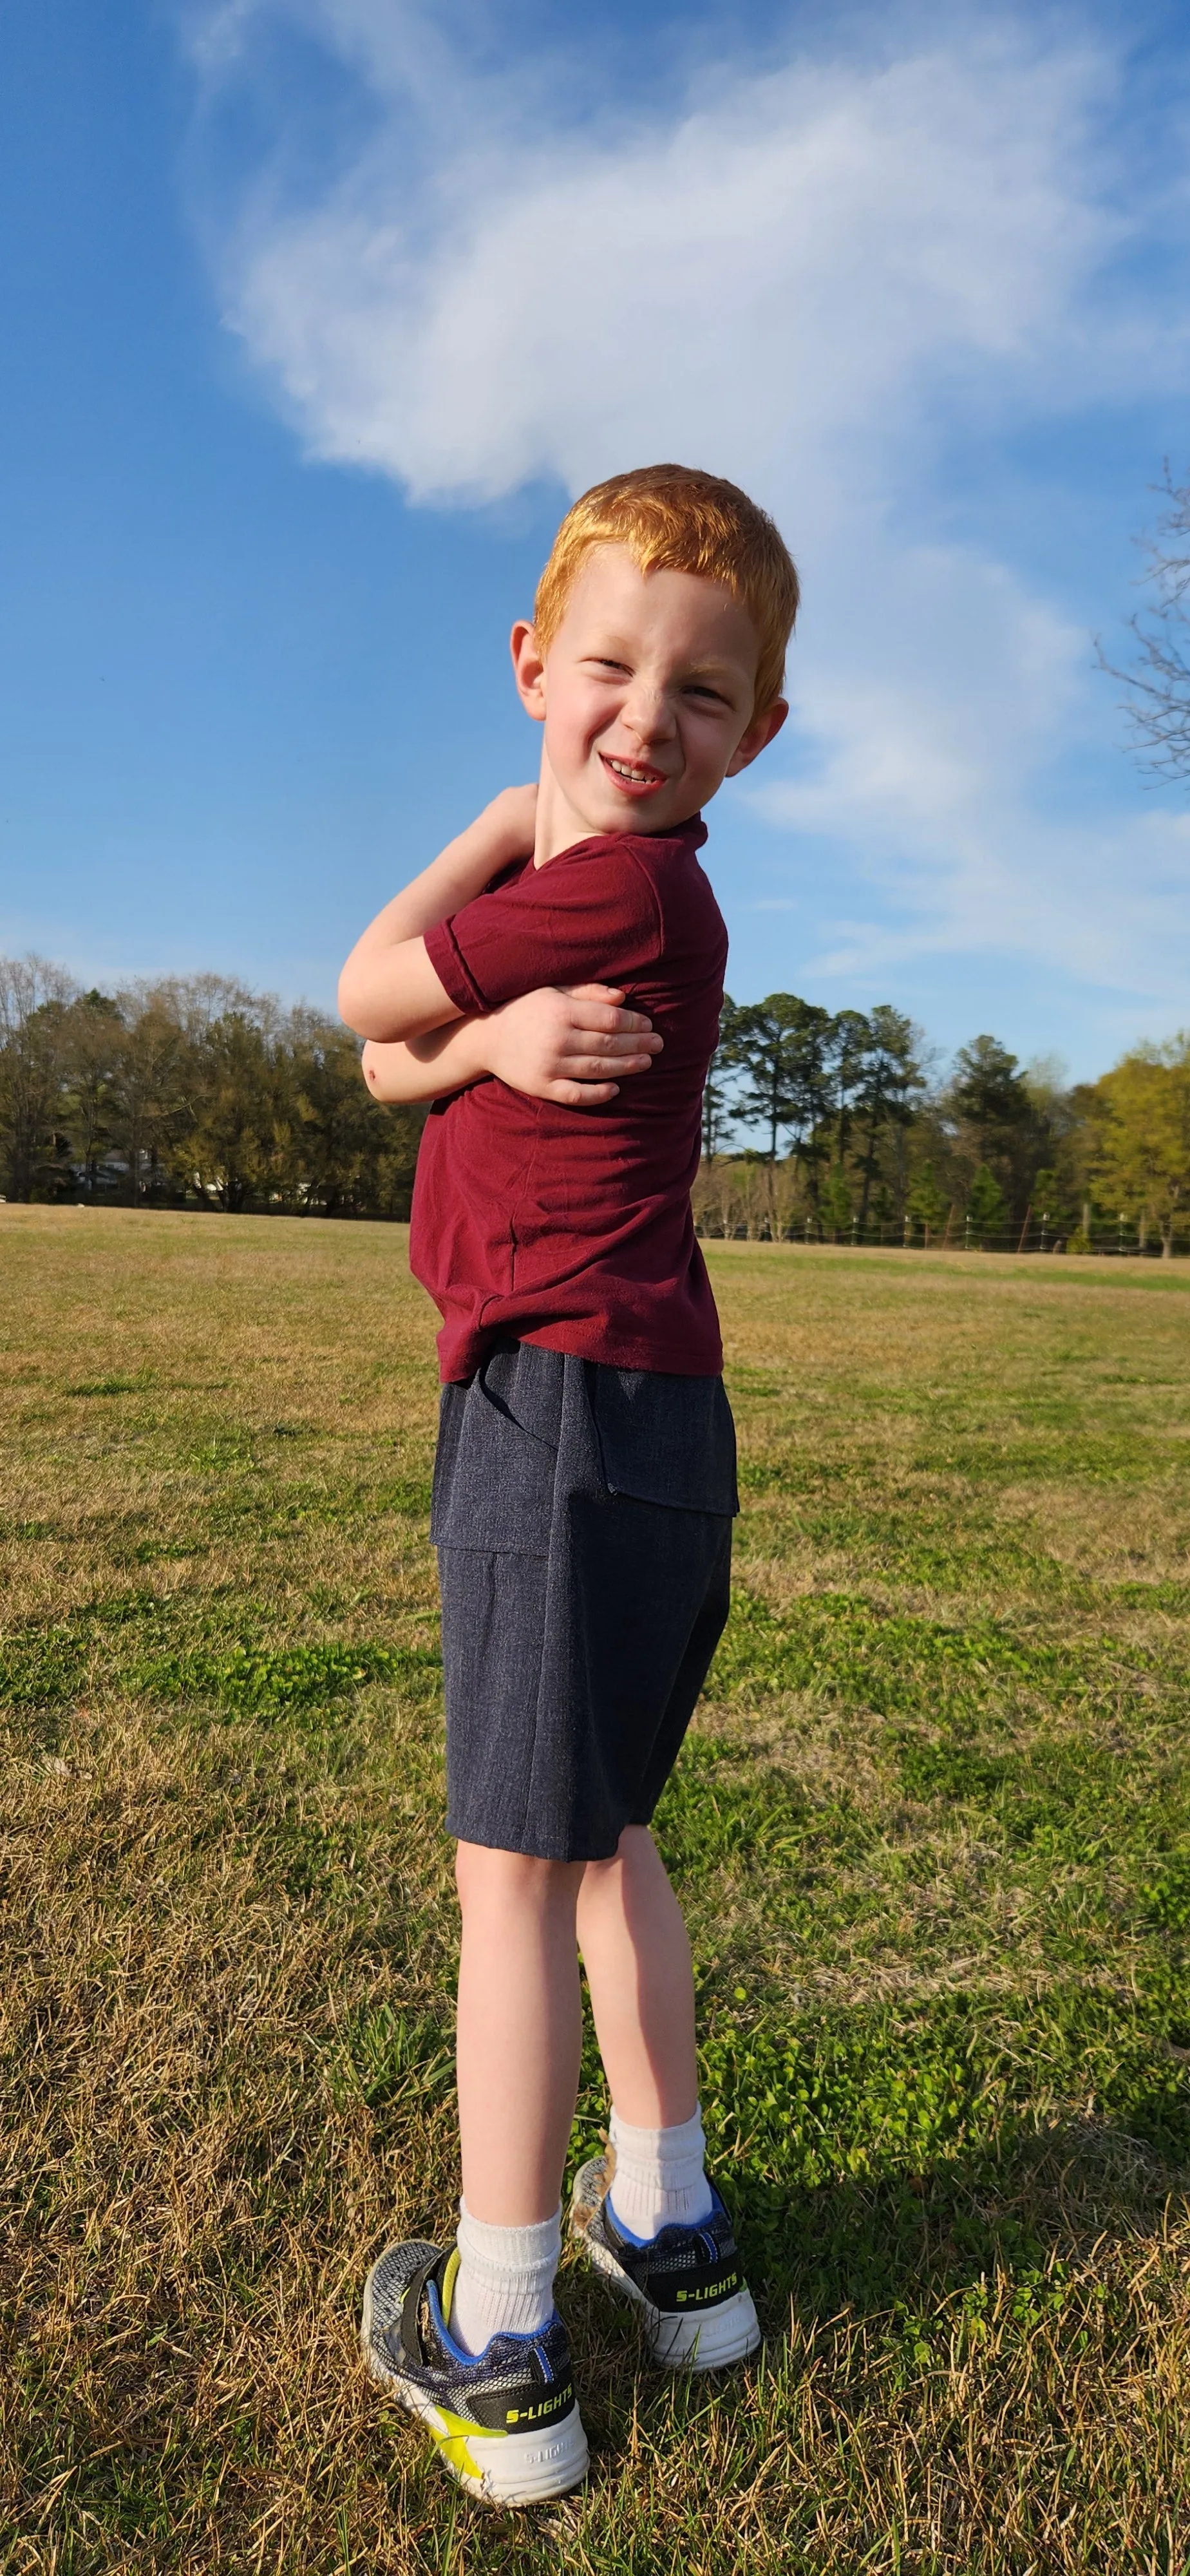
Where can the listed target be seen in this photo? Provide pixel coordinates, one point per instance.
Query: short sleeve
(591, 916)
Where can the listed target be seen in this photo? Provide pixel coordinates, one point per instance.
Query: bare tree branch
(1157, 704)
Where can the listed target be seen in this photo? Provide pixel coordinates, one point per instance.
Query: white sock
(505, 2280)
(659, 2177)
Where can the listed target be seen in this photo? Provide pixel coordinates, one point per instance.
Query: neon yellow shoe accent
(449, 2277)
(456, 2433)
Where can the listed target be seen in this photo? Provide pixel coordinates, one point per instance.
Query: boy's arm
(388, 989)
(573, 1046)
(426, 1068)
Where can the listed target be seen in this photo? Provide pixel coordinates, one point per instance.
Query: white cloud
(816, 278)
(934, 765)
(785, 275)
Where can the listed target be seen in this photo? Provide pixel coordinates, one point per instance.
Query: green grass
(931, 1829)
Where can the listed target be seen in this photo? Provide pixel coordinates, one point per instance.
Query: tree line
(190, 1091)
(862, 1141)
(820, 1126)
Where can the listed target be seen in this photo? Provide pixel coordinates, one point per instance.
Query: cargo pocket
(665, 1439)
(496, 1462)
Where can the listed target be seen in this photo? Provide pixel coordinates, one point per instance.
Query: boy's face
(646, 694)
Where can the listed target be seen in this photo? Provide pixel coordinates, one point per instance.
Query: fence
(1124, 1240)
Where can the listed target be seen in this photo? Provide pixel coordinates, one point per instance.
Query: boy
(584, 1485)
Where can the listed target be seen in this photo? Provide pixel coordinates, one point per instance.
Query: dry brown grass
(229, 1938)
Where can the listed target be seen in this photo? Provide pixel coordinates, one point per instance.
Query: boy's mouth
(633, 777)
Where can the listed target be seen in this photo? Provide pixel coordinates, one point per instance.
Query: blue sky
(314, 312)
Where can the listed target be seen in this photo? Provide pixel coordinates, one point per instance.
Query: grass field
(933, 1833)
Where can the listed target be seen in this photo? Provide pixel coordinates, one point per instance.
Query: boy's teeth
(639, 777)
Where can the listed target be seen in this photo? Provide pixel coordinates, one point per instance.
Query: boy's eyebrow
(614, 648)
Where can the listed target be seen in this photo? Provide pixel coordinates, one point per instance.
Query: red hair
(672, 518)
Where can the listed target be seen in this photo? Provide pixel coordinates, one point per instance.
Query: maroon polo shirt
(572, 1227)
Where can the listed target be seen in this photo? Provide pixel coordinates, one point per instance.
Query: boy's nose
(649, 715)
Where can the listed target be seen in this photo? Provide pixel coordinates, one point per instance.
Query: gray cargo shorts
(582, 1517)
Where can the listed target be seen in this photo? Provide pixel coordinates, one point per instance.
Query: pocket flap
(666, 1439)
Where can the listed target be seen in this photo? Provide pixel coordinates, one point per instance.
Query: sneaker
(698, 2307)
(505, 2420)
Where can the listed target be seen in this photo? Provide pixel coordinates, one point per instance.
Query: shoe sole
(714, 2340)
(504, 2469)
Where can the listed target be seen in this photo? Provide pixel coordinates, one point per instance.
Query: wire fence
(1126, 1239)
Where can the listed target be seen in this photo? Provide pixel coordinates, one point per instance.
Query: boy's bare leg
(519, 2031)
(637, 1957)
(646, 2212)
(520, 2023)
(468, 2335)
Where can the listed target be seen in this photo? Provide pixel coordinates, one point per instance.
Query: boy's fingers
(618, 1045)
(582, 1095)
(602, 1013)
(600, 1068)
(610, 1023)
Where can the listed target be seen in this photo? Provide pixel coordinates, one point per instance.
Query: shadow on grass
(907, 2244)
(869, 2293)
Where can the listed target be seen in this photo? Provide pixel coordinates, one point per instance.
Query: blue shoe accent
(507, 2334)
(681, 2266)
(698, 2308)
(506, 2420)
(516, 2377)
(627, 2235)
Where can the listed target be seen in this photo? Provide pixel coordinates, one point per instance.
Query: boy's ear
(762, 730)
(528, 663)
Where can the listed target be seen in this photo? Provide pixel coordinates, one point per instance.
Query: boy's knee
(483, 1875)
(635, 1845)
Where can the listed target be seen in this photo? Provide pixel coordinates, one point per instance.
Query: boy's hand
(573, 1045)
